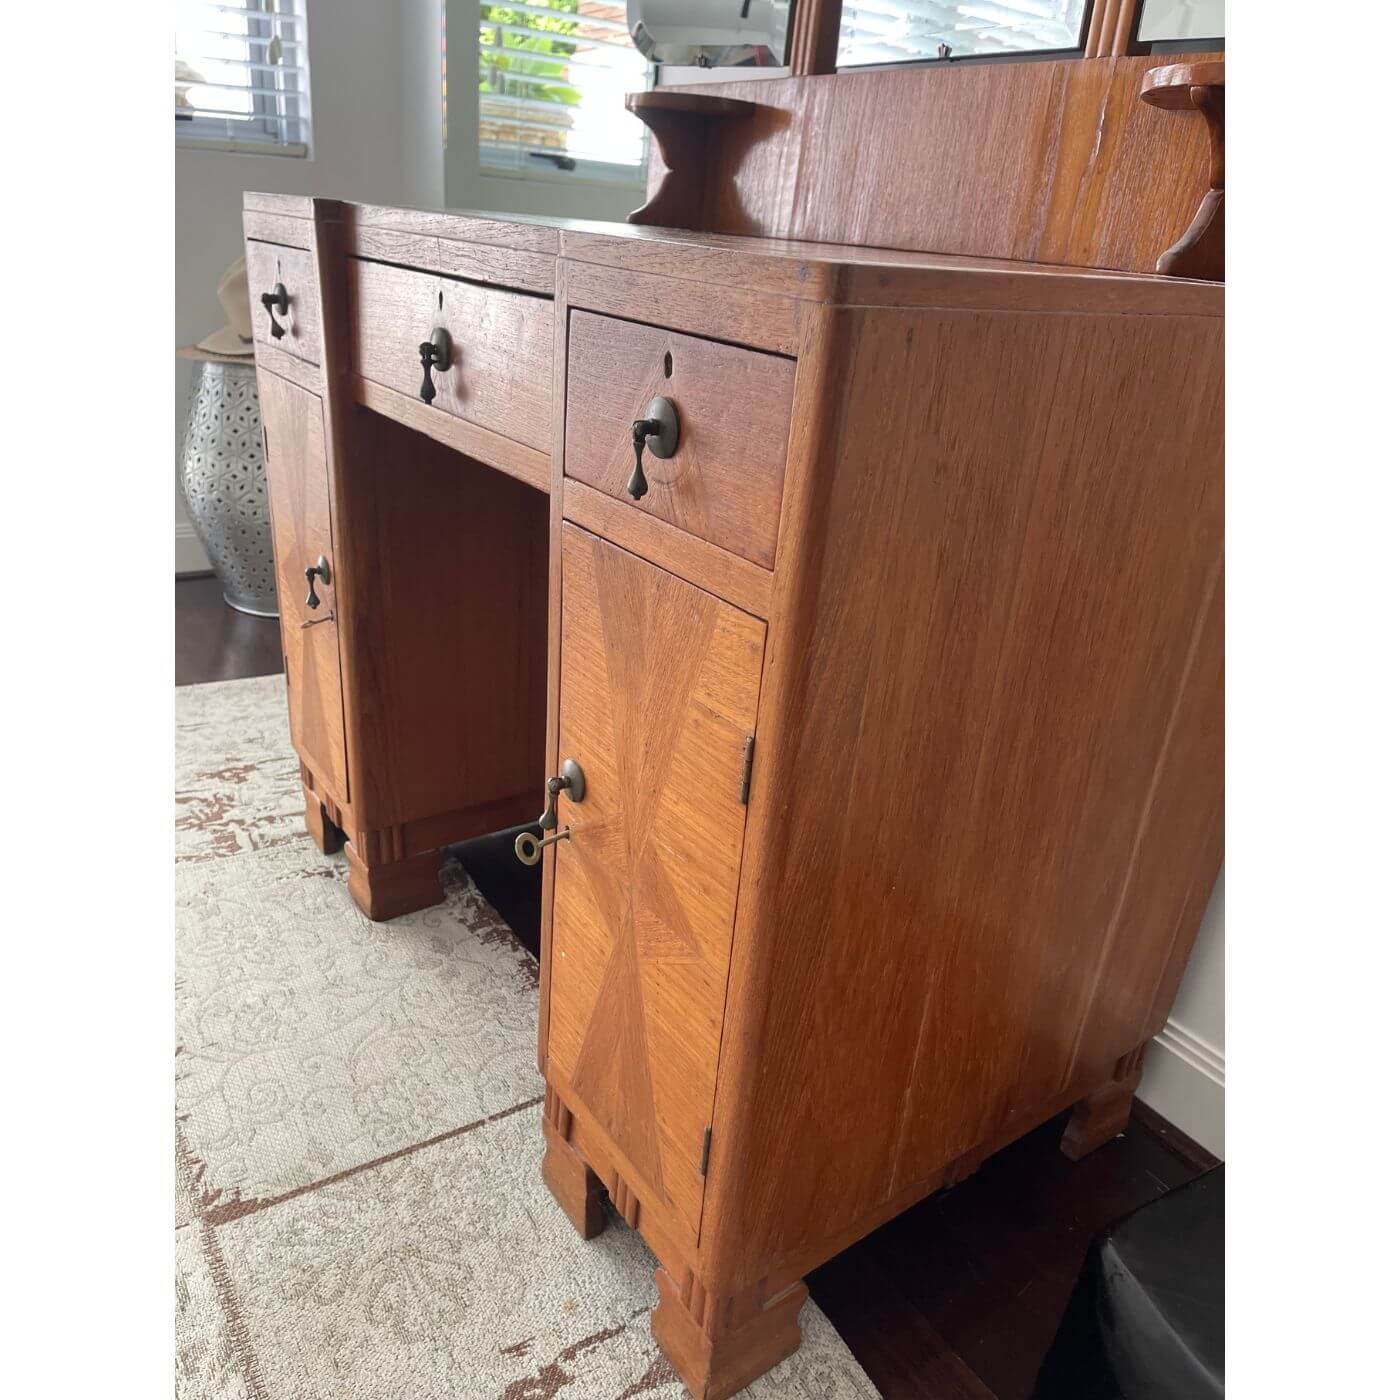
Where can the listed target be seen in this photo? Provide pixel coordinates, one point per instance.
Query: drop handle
(277, 301)
(434, 353)
(321, 569)
(570, 782)
(660, 430)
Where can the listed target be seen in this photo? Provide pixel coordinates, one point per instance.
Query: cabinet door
(298, 494)
(658, 695)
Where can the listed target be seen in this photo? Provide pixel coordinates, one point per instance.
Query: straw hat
(236, 338)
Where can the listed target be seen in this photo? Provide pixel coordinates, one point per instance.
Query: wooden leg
(571, 1181)
(324, 832)
(718, 1345)
(384, 891)
(1100, 1116)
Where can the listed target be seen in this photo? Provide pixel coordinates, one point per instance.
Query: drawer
(271, 264)
(725, 481)
(501, 346)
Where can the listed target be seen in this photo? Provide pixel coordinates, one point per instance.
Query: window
(241, 80)
(913, 31)
(552, 79)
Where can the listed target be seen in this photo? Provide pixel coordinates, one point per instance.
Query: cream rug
(359, 1209)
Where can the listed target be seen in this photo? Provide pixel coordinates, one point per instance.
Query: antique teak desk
(863, 603)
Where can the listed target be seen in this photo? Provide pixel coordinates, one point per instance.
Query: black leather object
(1147, 1318)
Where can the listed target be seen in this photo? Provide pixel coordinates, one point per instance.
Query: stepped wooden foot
(320, 825)
(571, 1181)
(386, 890)
(718, 1345)
(1100, 1116)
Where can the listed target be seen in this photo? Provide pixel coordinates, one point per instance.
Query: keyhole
(439, 301)
(666, 364)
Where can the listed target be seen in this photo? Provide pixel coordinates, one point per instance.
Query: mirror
(914, 31)
(1167, 21)
(710, 33)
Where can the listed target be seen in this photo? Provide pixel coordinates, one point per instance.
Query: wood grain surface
(659, 691)
(447, 615)
(500, 376)
(992, 662)
(1054, 162)
(527, 464)
(725, 482)
(728, 576)
(299, 503)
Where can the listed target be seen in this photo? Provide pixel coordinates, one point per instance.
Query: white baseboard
(190, 557)
(1184, 1080)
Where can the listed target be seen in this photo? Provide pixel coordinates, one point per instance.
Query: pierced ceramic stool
(222, 478)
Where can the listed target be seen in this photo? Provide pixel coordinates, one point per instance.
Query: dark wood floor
(956, 1299)
(215, 643)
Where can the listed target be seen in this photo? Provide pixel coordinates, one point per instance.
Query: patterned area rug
(359, 1209)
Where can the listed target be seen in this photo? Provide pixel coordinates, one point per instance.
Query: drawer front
(299, 502)
(658, 694)
(502, 346)
(295, 269)
(725, 481)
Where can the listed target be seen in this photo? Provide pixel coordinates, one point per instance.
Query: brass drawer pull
(434, 353)
(661, 431)
(528, 846)
(321, 569)
(276, 300)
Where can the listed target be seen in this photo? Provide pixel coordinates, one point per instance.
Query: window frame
(261, 131)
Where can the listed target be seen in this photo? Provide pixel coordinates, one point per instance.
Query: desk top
(838, 274)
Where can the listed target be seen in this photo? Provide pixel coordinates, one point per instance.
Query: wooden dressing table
(892, 701)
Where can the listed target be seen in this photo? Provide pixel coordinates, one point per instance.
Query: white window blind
(552, 80)
(241, 79)
(912, 31)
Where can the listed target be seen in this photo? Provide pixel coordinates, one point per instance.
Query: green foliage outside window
(500, 72)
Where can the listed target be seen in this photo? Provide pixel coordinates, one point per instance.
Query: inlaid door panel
(298, 493)
(658, 694)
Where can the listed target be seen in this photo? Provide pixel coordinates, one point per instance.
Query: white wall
(1184, 1077)
(377, 134)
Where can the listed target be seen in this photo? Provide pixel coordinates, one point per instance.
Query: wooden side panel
(1056, 162)
(295, 269)
(502, 345)
(725, 482)
(299, 501)
(659, 690)
(451, 703)
(997, 643)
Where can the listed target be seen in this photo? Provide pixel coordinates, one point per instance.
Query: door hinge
(746, 773)
(705, 1154)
